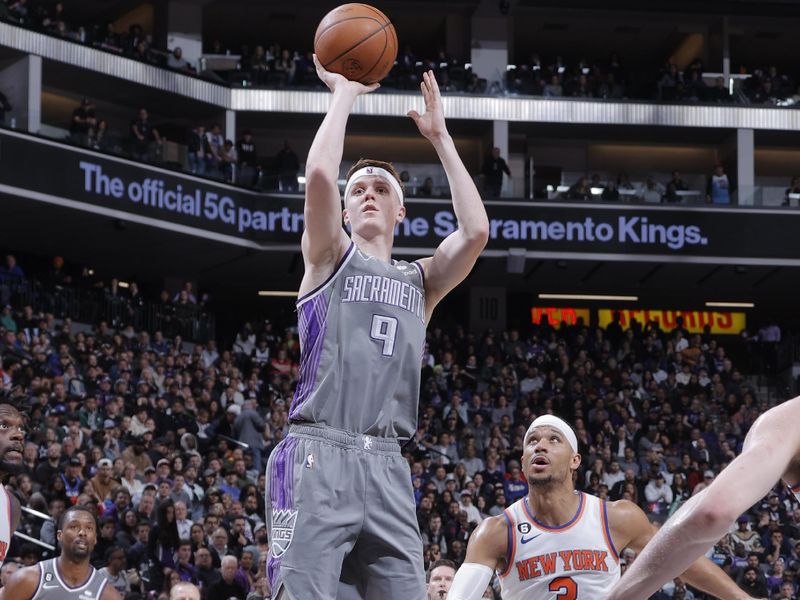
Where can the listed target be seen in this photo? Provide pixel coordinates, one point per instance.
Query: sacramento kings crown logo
(282, 531)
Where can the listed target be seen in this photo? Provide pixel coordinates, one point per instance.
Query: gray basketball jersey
(362, 334)
(53, 587)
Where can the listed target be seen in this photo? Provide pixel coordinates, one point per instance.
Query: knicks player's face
(548, 457)
(373, 207)
(12, 438)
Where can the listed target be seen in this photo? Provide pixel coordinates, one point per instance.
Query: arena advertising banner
(555, 316)
(694, 321)
(58, 173)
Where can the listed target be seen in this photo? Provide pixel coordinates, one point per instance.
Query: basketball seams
(380, 57)
(357, 44)
(376, 11)
(319, 34)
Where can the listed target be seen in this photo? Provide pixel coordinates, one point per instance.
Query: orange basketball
(358, 41)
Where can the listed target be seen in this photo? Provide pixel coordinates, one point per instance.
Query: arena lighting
(730, 304)
(277, 294)
(123, 284)
(301, 180)
(590, 297)
(596, 191)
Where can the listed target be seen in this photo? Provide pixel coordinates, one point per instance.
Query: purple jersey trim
(312, 324)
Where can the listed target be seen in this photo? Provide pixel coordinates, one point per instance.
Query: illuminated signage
(694, 321)
(555, 315)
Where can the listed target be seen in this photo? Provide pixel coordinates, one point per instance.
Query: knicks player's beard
(545, 481)
(9, 468)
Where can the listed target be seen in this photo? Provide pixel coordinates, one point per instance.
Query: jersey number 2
(384, 330)
(565, 588)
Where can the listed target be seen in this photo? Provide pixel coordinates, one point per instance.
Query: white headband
(374, 172)
(558, 424)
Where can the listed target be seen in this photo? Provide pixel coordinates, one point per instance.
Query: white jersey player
(559, 544)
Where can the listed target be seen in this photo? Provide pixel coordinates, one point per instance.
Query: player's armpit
(629, 526)
(488, 544)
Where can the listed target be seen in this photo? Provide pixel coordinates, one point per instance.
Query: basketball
(358, 41)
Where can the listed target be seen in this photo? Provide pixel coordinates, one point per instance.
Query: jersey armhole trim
(512, 544)
(41, 579)
(421, 270)
(317, 290)
(607, 532)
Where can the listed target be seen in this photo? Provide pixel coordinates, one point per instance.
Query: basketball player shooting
(69, 575)
(771, 453)
(340, 506)
(557, 543)
(12, 438)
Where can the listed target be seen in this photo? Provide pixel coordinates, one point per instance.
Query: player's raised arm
(486, 550)
(631, 529)
(324, 239)
(456, 255)
(771, 445)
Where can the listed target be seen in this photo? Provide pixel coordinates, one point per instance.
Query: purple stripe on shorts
(281, 492)
(312, 325)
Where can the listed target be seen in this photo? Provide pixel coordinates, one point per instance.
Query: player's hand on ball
(335, 81)
(431, 124)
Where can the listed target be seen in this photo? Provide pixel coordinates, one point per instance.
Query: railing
(191, 322)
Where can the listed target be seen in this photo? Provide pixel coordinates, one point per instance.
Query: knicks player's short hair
(442, 562)
(371, 162)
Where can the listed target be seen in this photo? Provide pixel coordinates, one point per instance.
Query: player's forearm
(325, 154)
(709, 578)
(467, 202)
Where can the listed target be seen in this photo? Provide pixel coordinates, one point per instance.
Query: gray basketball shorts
(341, 518)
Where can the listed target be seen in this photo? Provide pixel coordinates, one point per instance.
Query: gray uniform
(53, 587)
(339, 498)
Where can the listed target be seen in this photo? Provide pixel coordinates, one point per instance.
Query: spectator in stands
(249, 169)
(213, 150)
(195, 150)
(719, 93)
(554, 89)
(100, 138)
(718, 190)
(288, 165)
(144, 137)
(670, 86)
(285, 67)
(492, 174)
(580, 190)
(652, 191)
(228, 159)
(176, 61)
(227, 587)
(83, 121)
(259, 67)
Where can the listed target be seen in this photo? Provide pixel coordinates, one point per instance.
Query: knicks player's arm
(21, 585)
(771, 452)
(324, 241)
(486, 553)
(631, 529)
(456, 255)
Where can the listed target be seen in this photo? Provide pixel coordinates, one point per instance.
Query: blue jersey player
(340, 508)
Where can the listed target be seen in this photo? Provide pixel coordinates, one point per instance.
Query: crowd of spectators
(271, 65)
(621, 188)
(167, 440)
(76, 293)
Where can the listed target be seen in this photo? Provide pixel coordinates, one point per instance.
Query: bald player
(771, 453)
(69, 575)
(12, 439)
(556, 543)
(184, 591)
